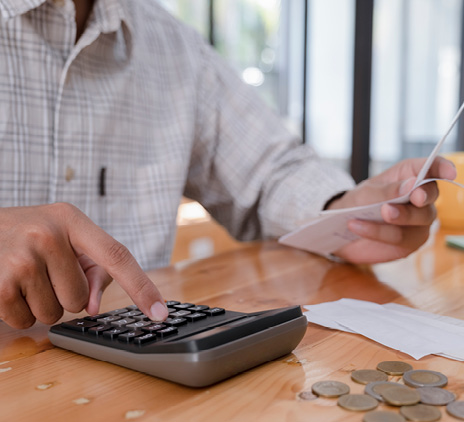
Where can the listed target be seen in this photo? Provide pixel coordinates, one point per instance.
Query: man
(110, 111)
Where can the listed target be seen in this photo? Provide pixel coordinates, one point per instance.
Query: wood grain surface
(39, 382)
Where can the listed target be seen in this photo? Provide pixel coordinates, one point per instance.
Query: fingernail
(393, 212)
(407, 185)
(357, 226)
(158, 312)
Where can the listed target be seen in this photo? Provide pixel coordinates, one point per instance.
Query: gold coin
(400, 396)
(424, 378)
(421, 413)
(375, 388)
(365, 376)
(330, 388)
(393, 367)
(357, 402)
(436, 396)
(456, 409)
(383, 416)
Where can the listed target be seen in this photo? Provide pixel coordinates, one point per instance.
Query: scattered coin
(383, 416)
(330, 388)
(421, 413)
(307, 395)
(424, 378)
(375, 388)
(357, 402)
(435, 396)
(401, 396)
(365, 376)
(393, 367)
(456, 409)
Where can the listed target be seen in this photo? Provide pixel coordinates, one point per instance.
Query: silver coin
(365, 376)
(357, 402)
(435, 396)
(456, 409)
(424, 378)
(393, 367)
(330, 388)
(401, 396)
(383, 416)
(421, 413)
(375, 388)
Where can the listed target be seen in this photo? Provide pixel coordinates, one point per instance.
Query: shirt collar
(12, 8)
(109, 12)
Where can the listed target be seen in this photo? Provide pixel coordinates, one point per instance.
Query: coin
(365, 376)
(456, 409)
(357, 402)
(401, 396)
(307, 395)
(435, 396)
(330, 388)
(375, 388)
(424, 378)
(383, 416)
(421, 413)
(393, 367)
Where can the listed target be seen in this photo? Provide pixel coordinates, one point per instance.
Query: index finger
(119, 263)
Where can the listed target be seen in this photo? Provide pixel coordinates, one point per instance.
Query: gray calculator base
(199, 369)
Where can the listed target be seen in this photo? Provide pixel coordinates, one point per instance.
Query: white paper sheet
(411, 331)
(329, 232)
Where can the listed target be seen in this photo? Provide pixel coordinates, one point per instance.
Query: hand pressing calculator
(195, 346)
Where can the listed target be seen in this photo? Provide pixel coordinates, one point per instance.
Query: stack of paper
(416, 333)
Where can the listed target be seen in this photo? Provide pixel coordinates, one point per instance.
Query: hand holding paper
(380, 235)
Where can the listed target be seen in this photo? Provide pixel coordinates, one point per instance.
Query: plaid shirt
(138, 113)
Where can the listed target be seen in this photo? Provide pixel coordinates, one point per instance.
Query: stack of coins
(417, 399)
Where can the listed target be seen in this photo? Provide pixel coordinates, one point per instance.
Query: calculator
(196, 345)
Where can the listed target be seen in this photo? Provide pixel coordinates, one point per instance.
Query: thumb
(98, 280)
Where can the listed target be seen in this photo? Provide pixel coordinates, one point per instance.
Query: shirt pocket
(140, 208)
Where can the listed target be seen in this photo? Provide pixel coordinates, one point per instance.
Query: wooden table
(41, 383)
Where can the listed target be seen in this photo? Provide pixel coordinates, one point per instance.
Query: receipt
(329, 231)
(411, 331)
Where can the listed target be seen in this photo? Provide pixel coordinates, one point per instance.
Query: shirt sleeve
(246, 168)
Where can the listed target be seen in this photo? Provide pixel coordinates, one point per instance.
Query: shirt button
(69, 174)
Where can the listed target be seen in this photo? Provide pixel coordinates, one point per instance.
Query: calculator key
(195, 317)
(198, 308)
(141, 317)
(138, 324)
(153, 327)
(130, 314)
(114, 332)
(129, 336)
(146, 338)
(99, 329)
(96, 317)
(108, 319)
(170, 303)
(214, 311)
(117, 311)
(179, 314)
(183, 306)
(132, 308)
(175, 322)
(122, 322)
(166, 332)
(81, 325)
(171, 310)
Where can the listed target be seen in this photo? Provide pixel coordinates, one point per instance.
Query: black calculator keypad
(129, 327)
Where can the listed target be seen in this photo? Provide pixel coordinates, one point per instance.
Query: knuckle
(118, 254)
(51, 315)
